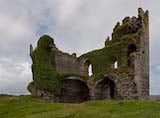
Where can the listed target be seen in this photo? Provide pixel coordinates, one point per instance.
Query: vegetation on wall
(44, 69)
(44, 75)
(123, 35)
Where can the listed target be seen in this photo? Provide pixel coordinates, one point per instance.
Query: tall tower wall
(141, 65)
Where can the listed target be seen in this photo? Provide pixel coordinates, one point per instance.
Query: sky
(76, 26)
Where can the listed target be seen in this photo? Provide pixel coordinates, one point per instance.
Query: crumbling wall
(58, 76)
(141, 61)
(129, 47)
(65, 63)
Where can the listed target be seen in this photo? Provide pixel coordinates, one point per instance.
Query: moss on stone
(30, 86)
(45, 76)
(102, 60)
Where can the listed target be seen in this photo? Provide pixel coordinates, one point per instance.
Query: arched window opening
(115, 64)
(131, 48)
(90, 72)
(88, 68)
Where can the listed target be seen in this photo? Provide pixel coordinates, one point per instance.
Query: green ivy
(45, 76)
(115, 49)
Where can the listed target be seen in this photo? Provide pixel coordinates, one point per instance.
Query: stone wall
(118, 86)
(75, 89)
(141, 62)
(130, 80)
(66, 63)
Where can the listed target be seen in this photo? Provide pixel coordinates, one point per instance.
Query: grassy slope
(28, 107)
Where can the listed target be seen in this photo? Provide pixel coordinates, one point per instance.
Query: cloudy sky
(76, 26)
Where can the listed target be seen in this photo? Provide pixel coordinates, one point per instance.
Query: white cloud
(14, 76)
(158, 68)
(154, 83)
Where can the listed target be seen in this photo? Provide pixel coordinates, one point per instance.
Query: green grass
(29, 107)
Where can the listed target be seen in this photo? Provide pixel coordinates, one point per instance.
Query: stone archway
(74, 90)
(104, 89)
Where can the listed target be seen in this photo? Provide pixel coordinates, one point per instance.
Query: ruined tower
(120, 68)
(142, 60)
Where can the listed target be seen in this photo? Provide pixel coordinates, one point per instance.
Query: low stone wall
(125, 86)
(75, 89)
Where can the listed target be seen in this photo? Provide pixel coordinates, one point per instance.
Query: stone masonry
(130, 80)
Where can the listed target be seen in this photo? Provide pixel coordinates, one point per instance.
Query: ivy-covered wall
(44, 74)
(124, 34)
(50, 66)
(128, 46)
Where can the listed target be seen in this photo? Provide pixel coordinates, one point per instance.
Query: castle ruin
(120, 69)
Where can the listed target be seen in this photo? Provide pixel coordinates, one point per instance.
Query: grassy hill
(155, 97)
(29, 107)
